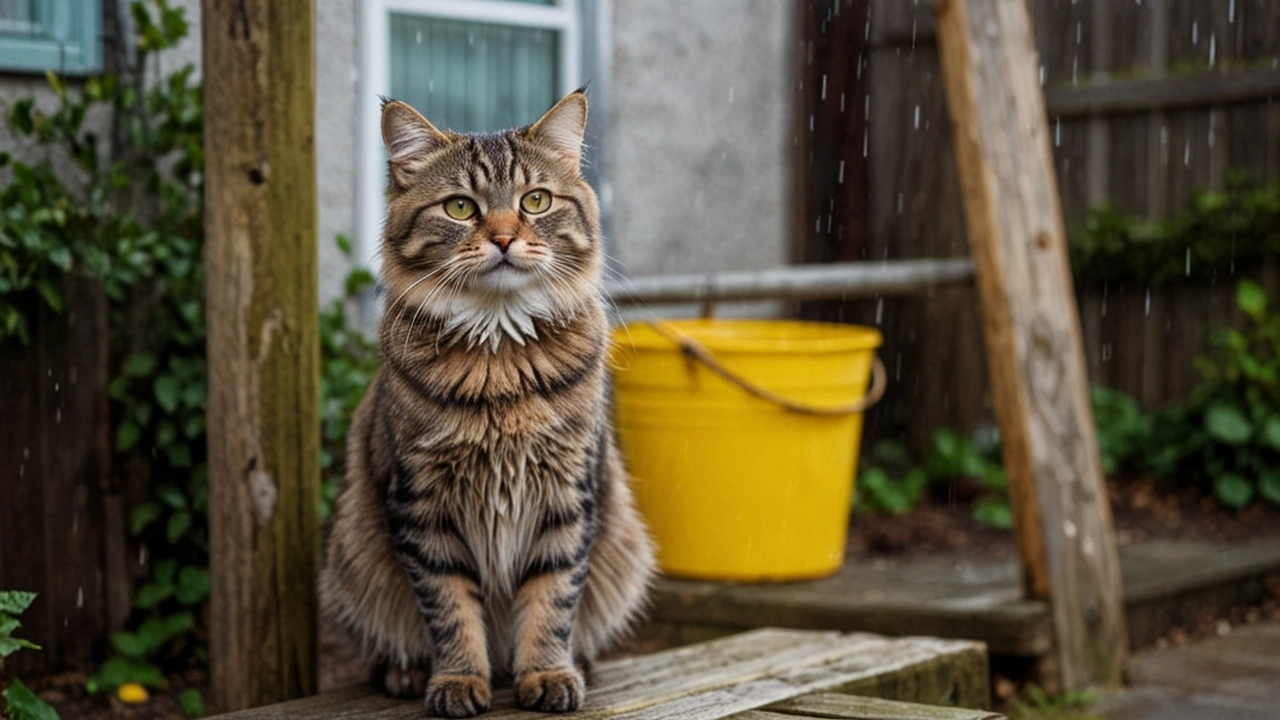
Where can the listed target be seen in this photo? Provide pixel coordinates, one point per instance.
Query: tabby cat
(485, 531)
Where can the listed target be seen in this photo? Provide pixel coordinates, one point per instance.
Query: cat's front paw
(558, 690)
(457, 696)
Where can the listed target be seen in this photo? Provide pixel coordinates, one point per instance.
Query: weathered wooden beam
(1032, 332)
(852, 707)
(1168, 92)
(260, 256)
(800, 282)
(719, 679)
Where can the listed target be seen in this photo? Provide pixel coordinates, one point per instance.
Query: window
(467, 65)
(58, 35)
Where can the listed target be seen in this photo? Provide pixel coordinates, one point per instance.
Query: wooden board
(852, 707)
(713, 680)
(1034, 343)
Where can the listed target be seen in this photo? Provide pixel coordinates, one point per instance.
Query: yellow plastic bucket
(733, 485)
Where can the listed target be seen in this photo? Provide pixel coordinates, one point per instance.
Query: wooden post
(1033, 339)
(260, 222)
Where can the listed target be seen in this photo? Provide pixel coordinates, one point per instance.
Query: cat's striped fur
(486, 529)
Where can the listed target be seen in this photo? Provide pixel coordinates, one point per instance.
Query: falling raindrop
(1186, 154)
(916, 122)
(899, 202)
(1104, 301)
(1079, 30)
(1231, 11)
(810, 123)
(1057, 132)
(1075, 70)
(840, 174)
(824, 86)
(1195, 33)
(1146, 306)
(1213, 48)
(841, 102)
(1188, 261)
(79, 596)
(879, 310)
(864, 142)
(1042, 76)
(419, 37)
(57, 416)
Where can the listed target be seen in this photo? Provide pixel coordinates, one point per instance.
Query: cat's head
(489, 233)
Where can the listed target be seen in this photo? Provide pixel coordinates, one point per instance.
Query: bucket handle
(695, 350)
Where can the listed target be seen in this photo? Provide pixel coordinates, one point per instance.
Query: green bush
(1214, 233)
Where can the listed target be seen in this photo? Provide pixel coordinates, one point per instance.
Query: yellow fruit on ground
(132, 693)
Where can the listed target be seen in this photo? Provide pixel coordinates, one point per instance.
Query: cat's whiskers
(404, 309)
(445, 283)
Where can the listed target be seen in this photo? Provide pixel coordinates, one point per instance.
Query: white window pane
(470, 76)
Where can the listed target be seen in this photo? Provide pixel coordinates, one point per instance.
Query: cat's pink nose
(502, 241)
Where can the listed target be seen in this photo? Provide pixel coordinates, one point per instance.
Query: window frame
(72, 45)
(563, 17)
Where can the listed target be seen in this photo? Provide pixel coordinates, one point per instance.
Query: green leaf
(178, 524)
(8, 625)
(152, 635)
(1233, 491)
(994, 512)
(140, 365)
(166, 571)
(171, 496)
(15, 602)
(152, 594)
(179, 623)
(193, 585)
(1226, 423)
(142, 516)
(127, 436)
(1271, 432)
(344, 244)
(1269, 485)
(9, 646)
(192, 702)
(1251, 298)
(167, 389)
(129, 644)
(22, 704)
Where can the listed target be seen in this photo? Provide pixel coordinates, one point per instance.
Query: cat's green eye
(460, 208)
(536, 201)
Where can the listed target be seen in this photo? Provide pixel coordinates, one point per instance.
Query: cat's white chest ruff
(487, 318)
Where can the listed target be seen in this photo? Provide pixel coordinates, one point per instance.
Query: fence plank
(1033, 335)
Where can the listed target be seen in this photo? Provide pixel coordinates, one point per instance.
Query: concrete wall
(700, 135)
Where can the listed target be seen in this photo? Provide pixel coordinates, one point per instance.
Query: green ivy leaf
(171, 496)
(178, 524)
(22, 704)
(1233, 491)
(1226, 423)
(140, 365)
(1251, 298)
(142, 516)
(193, 585)
(129, 644)
(51, 294)
(167, 389)
(179, 623)
(9, 646)
(127, 436)
(152, 594)
(192, 702)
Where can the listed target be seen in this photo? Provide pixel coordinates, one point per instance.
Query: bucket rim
(752, 336)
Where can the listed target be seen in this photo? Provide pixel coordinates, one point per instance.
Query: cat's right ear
(409, 139)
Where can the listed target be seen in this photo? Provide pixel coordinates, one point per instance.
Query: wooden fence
(1147, 101)
(62, 516)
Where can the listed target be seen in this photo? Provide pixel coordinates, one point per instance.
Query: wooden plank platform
(957, 596)
(725, 677)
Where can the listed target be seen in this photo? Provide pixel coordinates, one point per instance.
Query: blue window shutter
(60, 35)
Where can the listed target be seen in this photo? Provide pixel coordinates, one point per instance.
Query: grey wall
(700, 134)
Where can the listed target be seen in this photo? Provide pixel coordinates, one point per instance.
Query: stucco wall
(700, 134)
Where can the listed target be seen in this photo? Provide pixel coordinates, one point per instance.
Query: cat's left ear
(563, 127)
